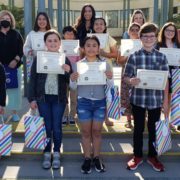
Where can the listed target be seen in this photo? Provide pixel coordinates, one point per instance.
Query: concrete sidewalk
(116, 151)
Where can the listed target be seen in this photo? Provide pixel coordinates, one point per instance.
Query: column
(59, 5)
(41, 6)
(155, 11)
(50, 10)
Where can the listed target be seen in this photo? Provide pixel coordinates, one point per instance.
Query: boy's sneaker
(134, 163)
(86, 166)
(71, 120)
(47, 160)
(99, 166)
(64, 120)
(56, 160)
(15, 117)
(156, 164)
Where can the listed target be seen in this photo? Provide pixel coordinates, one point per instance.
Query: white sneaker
(56, 160)
(47, 160)
(64, 120)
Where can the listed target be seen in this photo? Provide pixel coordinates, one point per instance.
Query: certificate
(129, 46)
(117, 71)
(103, 38)
(152, 79)
(70, 47)
(91, 73)
(172, 55)
(50, 62)
(37, 41)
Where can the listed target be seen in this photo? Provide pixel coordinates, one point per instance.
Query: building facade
(117, 13)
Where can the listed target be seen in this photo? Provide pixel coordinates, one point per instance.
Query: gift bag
(11, 77)
(35, 132)
(113, 102)
(29, 61)
(175, 81)
(163, 137)
(5, 138)
(175, 110)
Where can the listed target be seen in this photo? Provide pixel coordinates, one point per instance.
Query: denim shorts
(91, 110)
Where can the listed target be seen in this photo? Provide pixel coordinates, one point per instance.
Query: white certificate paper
(129, 46)
(91, 73)
(37, 42)
(70, 47)
(103, 38)
(50, 62)
(172, 55)
(152, 79)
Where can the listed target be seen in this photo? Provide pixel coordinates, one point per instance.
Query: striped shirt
(154, 60)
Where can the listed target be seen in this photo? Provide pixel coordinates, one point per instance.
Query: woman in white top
(41, 25)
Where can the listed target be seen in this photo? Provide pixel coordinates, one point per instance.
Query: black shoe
(86, 166)
(99, 166)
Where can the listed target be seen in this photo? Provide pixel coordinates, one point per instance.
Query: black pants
(139, 114)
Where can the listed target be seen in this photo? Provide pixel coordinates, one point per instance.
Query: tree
(176, 20)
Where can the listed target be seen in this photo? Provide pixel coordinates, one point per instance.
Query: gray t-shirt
(90, 91)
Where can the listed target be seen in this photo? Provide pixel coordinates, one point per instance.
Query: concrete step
(112, 146)
(29, 167)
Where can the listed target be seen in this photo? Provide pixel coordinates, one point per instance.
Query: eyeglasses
(169, 30)
(134, 30)
(147, 37)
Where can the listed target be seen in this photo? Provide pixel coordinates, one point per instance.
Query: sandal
(128, 125)
(109, 123)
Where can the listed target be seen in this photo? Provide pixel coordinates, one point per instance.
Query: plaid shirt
(142, 59)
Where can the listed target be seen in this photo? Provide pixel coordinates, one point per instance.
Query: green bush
(176, 20)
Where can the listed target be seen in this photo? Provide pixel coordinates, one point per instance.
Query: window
(111, 18)
(99, 14)
(175, 10)
(54, 23)
(146, 13)
(76, 15)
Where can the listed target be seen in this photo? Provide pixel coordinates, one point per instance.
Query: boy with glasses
(143, 100)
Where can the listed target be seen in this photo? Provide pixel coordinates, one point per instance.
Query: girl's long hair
(162, 38)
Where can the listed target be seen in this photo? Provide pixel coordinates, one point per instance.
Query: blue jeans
(52, 111)
(91, 110)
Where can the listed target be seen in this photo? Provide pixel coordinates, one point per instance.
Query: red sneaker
(156, 164)
(134, 163)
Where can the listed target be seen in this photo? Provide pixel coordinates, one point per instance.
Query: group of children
(48, 93)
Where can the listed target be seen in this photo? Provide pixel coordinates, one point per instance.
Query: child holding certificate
(125, 88)
(41, 25)
(2, 89)
(91, 107)
(34, 40)
(69, 33)
(110, 51)
(168, 38)
(137, 17)
(146, 100)
(47, 92)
